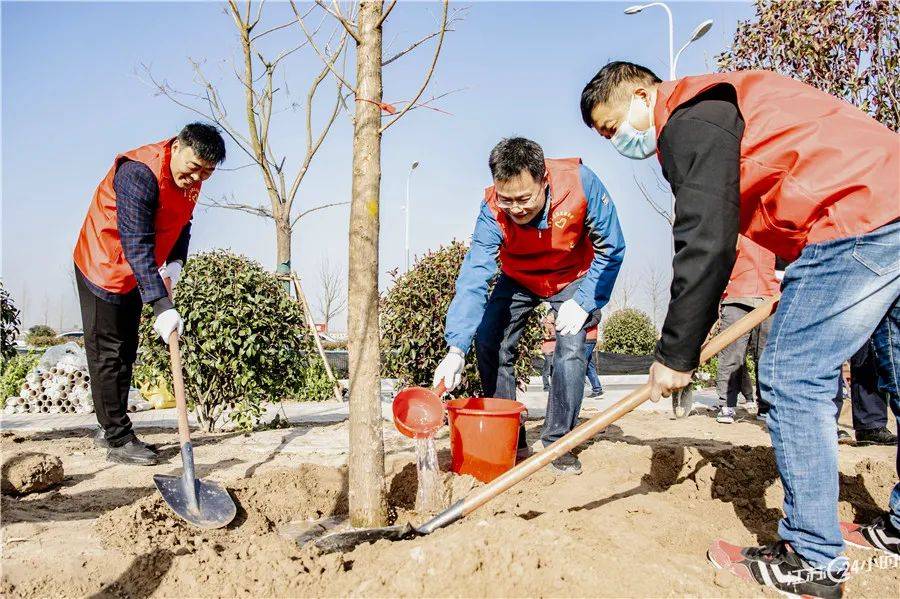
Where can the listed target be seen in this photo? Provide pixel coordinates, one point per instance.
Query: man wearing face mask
(130, 251)
(555, 230)
(806, 176)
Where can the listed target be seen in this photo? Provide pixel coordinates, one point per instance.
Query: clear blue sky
(72, 99)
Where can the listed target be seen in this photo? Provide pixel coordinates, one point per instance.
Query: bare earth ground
(636, 522)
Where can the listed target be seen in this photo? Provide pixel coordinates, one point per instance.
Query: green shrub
(9, 326)
(245, 341)
(629, 331)
(412, 323)
(334, 345)
(39, 332)
(705, 375)
(14, 373)
(45, 340)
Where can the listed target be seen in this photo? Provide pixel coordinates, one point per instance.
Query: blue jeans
(591, 367)
(834, 297)
(505, 317)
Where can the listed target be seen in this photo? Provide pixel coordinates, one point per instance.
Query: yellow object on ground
(158, 394)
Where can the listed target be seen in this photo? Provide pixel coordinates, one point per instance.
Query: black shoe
(566, 464)
(880, 535)
(776, 566)
(595, 394)
(844, 437)
(100, 439)
(875, 436)
(101, 442)
(133, 452)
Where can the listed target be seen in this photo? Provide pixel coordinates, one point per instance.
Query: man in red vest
(555, 231)
(752, 281)
(808, 177)
(132, 245)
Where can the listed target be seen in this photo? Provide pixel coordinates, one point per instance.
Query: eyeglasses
(506, 204)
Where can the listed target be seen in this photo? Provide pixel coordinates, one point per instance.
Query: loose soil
(654, 492)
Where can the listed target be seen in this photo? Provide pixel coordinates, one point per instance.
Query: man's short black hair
(516, 154)
(607, 82)
(205, 140)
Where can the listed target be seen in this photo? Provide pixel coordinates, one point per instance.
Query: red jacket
(813, 167)
(98, 251)
(754, 271)
(546, 261)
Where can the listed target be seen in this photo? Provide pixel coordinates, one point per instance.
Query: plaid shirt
(137, 198)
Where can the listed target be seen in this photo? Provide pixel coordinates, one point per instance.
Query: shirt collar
(541, 220)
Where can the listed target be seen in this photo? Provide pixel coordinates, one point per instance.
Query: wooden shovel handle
(184, 431)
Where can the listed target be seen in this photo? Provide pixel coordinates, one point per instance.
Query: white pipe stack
(61, 389)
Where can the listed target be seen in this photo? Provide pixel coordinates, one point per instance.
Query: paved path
(317, 413)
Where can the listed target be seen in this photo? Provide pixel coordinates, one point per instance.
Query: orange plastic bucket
(484, 434)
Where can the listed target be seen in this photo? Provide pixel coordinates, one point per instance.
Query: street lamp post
(699, 32)
(408, 177)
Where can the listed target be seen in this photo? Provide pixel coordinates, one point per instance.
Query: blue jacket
(480, 263)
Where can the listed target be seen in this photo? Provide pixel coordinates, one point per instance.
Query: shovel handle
(184, 431)
(589, 429)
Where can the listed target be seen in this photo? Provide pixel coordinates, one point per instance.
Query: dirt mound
(264, 501)
(30, 473)
(403, 485)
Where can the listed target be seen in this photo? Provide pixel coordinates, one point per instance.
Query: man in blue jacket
(555, 230)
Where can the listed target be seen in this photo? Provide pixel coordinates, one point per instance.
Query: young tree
(368, 505)
(624, 291)
(257, 77)
(848, 48)
(656, 287)
(332, 299)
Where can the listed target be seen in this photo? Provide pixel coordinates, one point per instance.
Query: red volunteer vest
(546, 261)
(754, 271)
(813, 167)
(98, 251)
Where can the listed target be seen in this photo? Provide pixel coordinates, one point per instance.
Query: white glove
(450, 369)
(171, 271)
(571, 318)
(168, 321)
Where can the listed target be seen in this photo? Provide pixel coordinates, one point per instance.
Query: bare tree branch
(663, 213)
(230, 204)
(312, 147)
(336, 13)
(258, 14)
(386, 12)
(312, 43)
(274, 29)
(418, 43)
(315, 209)
(332, 299)
(437, 52)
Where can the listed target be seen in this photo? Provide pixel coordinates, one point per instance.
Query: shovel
(202, 503)
(346, 541)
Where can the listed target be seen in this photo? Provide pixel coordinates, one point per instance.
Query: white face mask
(633, 143)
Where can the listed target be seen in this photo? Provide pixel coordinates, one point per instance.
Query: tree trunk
(283, 249)
(368, 505)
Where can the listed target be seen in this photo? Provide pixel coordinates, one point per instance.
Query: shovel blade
(683, 402)
(214, 507)
(350, 539)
